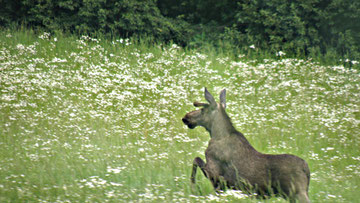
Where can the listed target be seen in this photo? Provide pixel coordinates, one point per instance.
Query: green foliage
(316, 28)
(300, 27)
(123, 18)
(200, 11)
(311, 28)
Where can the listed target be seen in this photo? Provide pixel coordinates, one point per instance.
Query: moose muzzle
(187, 121)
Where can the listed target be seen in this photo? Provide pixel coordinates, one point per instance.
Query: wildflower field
(90, 120)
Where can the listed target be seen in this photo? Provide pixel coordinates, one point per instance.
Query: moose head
(205, 116)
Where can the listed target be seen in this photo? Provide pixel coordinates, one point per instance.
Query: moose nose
(185, 121)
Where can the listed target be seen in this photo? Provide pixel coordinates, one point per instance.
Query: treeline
(297, 27)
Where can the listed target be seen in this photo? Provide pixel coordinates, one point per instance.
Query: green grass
(84, 119)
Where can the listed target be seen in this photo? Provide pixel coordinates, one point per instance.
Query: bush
(122, 18)
(299, 28)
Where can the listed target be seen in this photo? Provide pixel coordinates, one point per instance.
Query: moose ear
(223, 98)
(209, 98)
(199, 104)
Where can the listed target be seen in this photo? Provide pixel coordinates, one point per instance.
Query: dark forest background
(297, 27)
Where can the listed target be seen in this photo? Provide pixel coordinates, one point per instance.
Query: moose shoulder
(232, 162)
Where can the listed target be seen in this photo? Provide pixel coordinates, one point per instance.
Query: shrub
(122, 18)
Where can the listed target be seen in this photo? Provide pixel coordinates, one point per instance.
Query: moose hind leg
(303, 197)
(198, 162)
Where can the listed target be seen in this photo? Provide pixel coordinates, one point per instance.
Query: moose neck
(221, 125)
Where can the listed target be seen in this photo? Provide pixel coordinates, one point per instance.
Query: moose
(231, 161)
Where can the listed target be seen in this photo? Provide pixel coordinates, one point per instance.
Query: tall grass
(84, 119)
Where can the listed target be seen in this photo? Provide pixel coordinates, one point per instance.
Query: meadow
(90, 120)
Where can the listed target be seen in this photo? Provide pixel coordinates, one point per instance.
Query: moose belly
(244, 178)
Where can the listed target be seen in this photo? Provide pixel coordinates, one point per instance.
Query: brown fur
(232, 162)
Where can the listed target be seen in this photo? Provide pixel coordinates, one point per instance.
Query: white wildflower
(116, 184)
(20, 47)
(58, 60)
(45, 35)
(280, 53)
(115, 170)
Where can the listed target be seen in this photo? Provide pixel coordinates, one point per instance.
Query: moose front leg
(219, 184)
(217, 181)
(198, 162)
